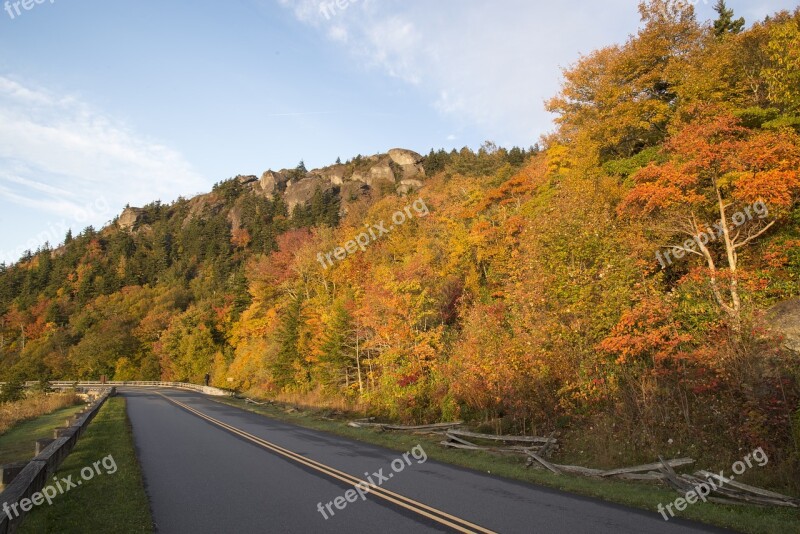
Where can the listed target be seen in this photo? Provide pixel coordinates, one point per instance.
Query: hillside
(627, 284)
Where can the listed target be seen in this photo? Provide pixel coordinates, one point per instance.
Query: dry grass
(316, 400)
(32, 407)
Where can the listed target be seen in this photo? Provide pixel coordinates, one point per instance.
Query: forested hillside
(612, 285)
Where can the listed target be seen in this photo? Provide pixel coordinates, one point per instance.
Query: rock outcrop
(244, 180)
(335, 174)
(272, 182)
(407, 187)
(380, 174)
(402, 156)
(129, 218)
(300, 192)
(410, 163)
(399, 170)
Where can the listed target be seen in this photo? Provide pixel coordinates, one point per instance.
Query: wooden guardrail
(92, 384)
(39, 470)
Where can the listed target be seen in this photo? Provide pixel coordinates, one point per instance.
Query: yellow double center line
(456, 523)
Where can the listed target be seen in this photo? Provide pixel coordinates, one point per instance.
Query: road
(213, 468)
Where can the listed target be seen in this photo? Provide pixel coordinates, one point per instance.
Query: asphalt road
(261, 475)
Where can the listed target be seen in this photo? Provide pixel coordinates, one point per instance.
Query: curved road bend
(211, 468)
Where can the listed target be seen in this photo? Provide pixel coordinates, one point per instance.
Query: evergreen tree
(436, 162)
(516, 156)
(725, 24)
(13, 390)
(337, 356)
(324, 208)
(288, 337)
(239, 290)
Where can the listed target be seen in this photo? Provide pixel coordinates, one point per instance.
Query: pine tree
(288, 336)
(239, 289)
(336, 354)
(13, 390)
(725, 24)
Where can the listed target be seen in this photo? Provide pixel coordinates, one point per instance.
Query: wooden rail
(93, 384)
(40, 470)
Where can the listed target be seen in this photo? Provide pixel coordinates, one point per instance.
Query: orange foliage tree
(716, 168)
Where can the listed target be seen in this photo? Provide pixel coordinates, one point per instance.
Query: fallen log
(730, 492)
(458, 443)
(523, 449)
(647, 467)
(435, 426)
(747, 488)
(386, 426)
(578, 470)
(251, 401)
(364, 420)
(545, 451)
(672, 479)
(494, 437)
(545, 463)
(462, 446)
(451, 437)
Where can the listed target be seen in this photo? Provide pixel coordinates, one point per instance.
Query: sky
(104, 104)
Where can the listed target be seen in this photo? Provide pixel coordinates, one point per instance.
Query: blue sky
(108, 103)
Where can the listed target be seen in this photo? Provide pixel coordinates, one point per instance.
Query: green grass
(17, 445)
(647, 496)
(108, 502)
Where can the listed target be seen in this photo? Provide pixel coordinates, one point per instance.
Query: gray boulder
(300, 192)
(272, 182)
(402, 156)
(244, 180)
(380, 174)
(129, 218)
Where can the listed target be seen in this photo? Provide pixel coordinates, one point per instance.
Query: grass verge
(17, 444)
(33, 406)
(114, 502)
(646, 496)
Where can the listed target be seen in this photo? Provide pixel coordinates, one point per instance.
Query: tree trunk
(358, 366)
(735, 307)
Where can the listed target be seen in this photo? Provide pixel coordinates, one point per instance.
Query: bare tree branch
(754, 236)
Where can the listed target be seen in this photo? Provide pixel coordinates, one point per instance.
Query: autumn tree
(782, 74)
(717, 169)
(620, 99)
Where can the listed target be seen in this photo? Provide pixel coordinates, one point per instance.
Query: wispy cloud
(478, 62)
(58, 155)
(483, 63)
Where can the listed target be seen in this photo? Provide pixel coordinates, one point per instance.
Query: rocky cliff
(398, 171)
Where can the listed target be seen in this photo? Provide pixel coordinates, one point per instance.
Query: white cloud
(485, 63)
(480, 62)
(63, 163)
(58, 148)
